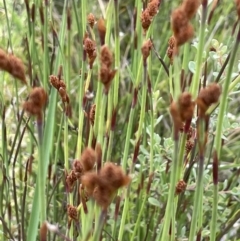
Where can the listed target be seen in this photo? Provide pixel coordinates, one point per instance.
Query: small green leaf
(192, 66)
(215, 44)
(153, 201)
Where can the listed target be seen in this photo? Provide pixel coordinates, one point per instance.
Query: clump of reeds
(13, 65)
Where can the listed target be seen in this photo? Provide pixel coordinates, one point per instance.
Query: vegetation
(119, 120)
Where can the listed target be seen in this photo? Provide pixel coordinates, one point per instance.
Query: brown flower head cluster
(208, 96)
(90, 48)
(171, 48)
(92, 114)
(36, 102)
(146, 49)
(101, 30)
(13, 65)
(91, 20)
(106, 73)
(182, 28)
(103, 185)
(182, 111)
(188, 146)
(84, 164)
(238, 7)
(58, 84)
(149, 13)
(72, 212)
(180, 187)
(190, 132)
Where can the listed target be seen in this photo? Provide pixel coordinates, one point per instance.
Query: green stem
(196, 78)
(218, 138)
(81, 84)
(170, 200)
(41, 176)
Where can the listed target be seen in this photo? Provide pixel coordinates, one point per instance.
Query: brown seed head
(36, 101)
(190, 7)
(185, 35)
(146, 20)
(106, 56)
(208, 96)
(62, 84)
(186, 106)
(92, 114)
(181, 187)
(13, 65)
(89, 46)
(77, 166)
(177, 122)
(90, 180)
(189, 146)
(153, 7)
(88, 159)
(182, 29)
(101, 30)
(63, 95)
(113, 176)
(170, 54)
(91, 20)
(54, 81)
(72, 212)
(17, 69)
(71, 178)
(103, 196)
(146, 48)
(178, 20)
(172, 42)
